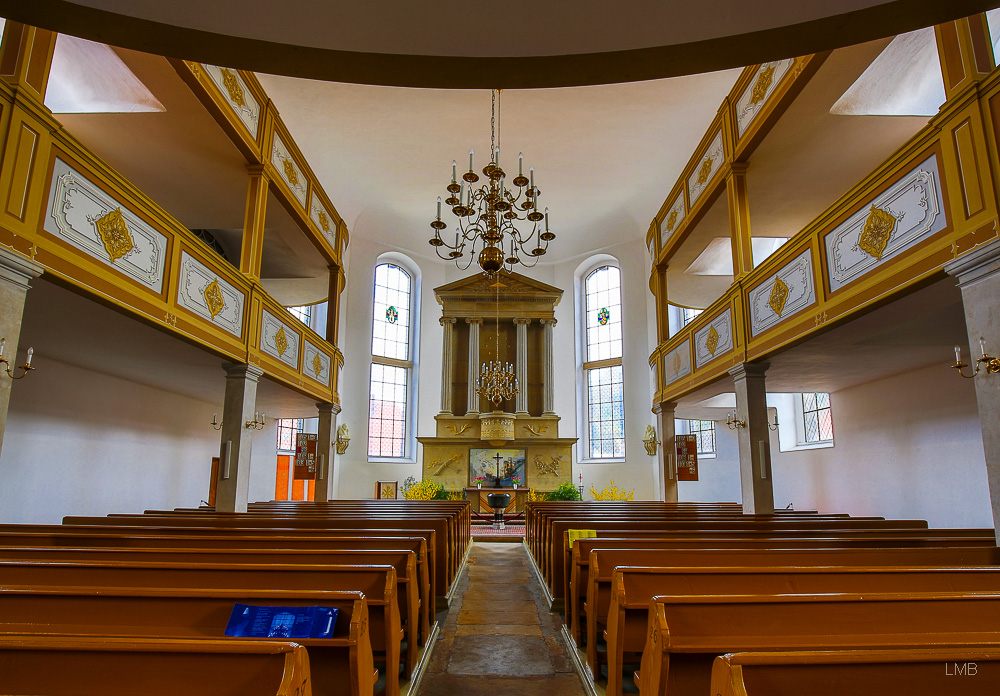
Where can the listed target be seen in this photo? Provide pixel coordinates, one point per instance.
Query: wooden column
(448, 366)
(965, 52)
(978, 274)
(739, 219)
(237, 439)
(26, 57)
(473, 401)
(337, 282)
(254, 217)
(667, 453)
(326, 438)
(522, 366)
(754, 438)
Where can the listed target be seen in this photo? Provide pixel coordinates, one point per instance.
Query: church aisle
(499, 637)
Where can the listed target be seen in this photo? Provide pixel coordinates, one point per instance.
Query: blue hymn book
(249, 621)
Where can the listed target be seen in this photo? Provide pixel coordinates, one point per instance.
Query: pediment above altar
(517, 294)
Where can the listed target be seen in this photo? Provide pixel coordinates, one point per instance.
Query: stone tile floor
(498, 637)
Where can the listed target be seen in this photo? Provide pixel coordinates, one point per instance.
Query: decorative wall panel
(677, 363)
(203, 292)
(315, 364)
(279, 340)
(83, 214)
(910, 210)
(236, 92)
(672, 220)
(783, 294)
(323, 220)
(706, 169)
(289, 170)
(759, 91)
(714, 340)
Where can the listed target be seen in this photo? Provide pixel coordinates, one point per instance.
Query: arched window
(392, 362)
(603, 388)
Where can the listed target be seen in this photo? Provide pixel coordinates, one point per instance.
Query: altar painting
(483, 462)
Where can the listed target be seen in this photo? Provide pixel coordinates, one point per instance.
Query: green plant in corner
(565, 491)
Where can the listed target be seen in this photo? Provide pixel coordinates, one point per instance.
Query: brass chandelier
(487, 215)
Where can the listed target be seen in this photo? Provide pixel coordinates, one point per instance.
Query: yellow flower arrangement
(455, 495)
(611, 492)
(535, 496)
(423, 490)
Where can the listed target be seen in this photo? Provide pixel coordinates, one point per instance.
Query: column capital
(544, 322)
(258, 170)
(447, 320)
(18, 269)
(978, 264)
(324, 407)
(665, 407)
(748, 370)
(473, 320)
(521, 321)
(243, 371)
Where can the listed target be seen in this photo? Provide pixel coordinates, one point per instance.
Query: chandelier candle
(489, 217)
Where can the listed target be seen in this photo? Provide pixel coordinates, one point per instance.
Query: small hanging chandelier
(487, 215)
(497, 381)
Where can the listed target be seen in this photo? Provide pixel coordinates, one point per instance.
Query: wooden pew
(916, 672)
(634, 552)
(764, 523)
(402, 561)
(634, 588)
(48, 666)
(434, 529)
(685, 634)
(376, 583)
(338, 665)
(58, 536)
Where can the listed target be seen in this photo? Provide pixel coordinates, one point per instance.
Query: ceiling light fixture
(487, 215)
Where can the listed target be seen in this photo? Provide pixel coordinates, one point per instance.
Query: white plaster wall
(354, 474)
(80, 442)
(908, 446)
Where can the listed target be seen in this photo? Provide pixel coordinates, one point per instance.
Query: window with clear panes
(705, 430)
(288, 428)
(604, 388)
(392, 364)
(817, 417)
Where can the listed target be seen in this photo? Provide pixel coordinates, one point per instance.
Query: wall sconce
(25, 368)
(733, 423)
(215, 424)
(343, 438)
(259, 419)
(649, 441)
(992, 364)
(775, 426)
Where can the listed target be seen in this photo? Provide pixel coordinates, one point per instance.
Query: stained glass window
(287, 429)
(817, 417)
(604, 314)
(705, 430)
(391, 327)
(389, 384)
(604, 387)
(387, 411)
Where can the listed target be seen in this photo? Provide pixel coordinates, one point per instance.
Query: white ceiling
(604, 156)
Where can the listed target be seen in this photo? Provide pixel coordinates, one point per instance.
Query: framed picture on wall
(509, 463)
(386, 490)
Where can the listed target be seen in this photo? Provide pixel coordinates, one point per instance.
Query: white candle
(471, 153)
(982, 345)
(454, 171)
(546, 219)
(520, 164)
(439, 207)
(501, 189)
(531, 171)
(461, 194)
(3, 342)
(958, 355)
(215, 418)
(456, 240)
(31, 351)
